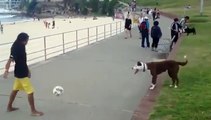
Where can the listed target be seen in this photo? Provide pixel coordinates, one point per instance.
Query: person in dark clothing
(21, 72)
(145, 32)
(53, 24)
(154, 13)
(128, 23)
(175, 30)
(156, 35)
(2, 28)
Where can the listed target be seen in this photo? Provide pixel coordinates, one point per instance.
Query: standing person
(2, 28)
(157, 14)
(175, 30)
(140, 20)
(53, 24)
(21, 72)
(156, 34)
(45, 23)
(184, 23)
(145, 32)
(154, 12)
(128, 23)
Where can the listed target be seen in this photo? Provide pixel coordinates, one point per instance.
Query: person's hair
(176, 19)
(22, 37)
(187, 17)
(156, 23)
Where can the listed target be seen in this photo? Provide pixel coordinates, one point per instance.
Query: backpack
(143, 26)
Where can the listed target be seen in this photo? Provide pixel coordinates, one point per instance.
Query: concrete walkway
(98, 81)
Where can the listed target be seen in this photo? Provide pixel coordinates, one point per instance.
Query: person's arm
(130, 23)
(7, 67)
(160, 32)
(151, 32)
(29, 73)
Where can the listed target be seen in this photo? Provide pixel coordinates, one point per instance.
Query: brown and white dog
(156, 68)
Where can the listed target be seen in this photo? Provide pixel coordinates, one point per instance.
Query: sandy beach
(36, 29)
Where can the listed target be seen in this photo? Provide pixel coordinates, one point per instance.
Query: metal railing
(45, 47)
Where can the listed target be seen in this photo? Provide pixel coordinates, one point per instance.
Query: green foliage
(31, 7)
(67, 3)
(94, 4)
(24, 4)
(192, 100)
(199, 20)
(104, 7)
(112, 7)
(84, 11)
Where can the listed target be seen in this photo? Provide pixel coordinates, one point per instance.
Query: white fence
(45, 47)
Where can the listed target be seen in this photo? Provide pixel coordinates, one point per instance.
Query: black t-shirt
(128, 22)
(18, 54)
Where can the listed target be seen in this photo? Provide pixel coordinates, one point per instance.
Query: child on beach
(53, 24)
(21, 72)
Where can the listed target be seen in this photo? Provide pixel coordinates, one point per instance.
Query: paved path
(98, 81)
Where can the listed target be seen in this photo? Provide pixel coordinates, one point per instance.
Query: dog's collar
(145, 67)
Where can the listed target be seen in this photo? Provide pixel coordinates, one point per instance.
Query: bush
(199, 20)
(84, 11)
(31, 7)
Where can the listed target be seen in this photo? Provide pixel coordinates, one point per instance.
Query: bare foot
(12, 109)
(36, 113)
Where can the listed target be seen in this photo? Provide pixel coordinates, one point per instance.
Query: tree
(31, 7)
(111, 7)
(105, 7)
(94, 5)
(24, 4)
(67, 3)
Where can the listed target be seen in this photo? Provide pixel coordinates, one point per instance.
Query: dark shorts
(128, 28)
(175, 38)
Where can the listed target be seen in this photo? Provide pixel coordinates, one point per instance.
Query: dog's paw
(152, 87)
(170, 85)
(175, 86)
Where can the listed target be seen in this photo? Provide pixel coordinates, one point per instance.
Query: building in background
(9, 4)
(3, 4)
(13, 4)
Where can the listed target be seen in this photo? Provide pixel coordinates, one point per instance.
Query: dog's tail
(183, 63)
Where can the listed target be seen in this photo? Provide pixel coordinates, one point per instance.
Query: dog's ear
(139, 63)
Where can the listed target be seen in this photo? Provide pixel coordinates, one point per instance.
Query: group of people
(144, 29)
(155, 31)
(178, 27)
(151, 13)
(132, 5)
(47, 24)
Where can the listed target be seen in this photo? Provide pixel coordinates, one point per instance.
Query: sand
(37, 31)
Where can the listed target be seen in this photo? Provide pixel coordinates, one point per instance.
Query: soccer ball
(58, 90)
